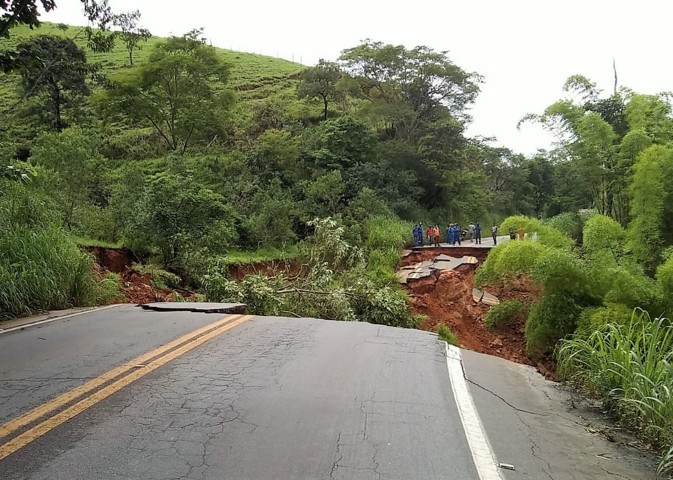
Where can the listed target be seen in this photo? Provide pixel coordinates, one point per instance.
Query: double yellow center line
(129, 372)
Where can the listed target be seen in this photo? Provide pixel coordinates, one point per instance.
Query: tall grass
(43, 270)
(629, 366)
(385, 237)
(41, 267)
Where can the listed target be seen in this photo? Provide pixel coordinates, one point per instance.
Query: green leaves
(174, 93)
(651, 206)
(55, 70)
(321, 82)
(629, 366)
(176, 214)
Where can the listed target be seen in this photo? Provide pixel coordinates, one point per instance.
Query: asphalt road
(278, 398)
(273, 398)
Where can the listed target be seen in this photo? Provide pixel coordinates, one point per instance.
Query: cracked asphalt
(546, 431)
(282, 398)
(273, 398)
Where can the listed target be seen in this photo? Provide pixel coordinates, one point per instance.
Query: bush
(634, 290)
(593, 319)
(604, 235)
(175, 215)
(568, 223)
(44, 270)
(665, 284)
(552, 317)
(445, 333)
(41, 267)
(161, 278)
(629, 367)
(504, 313)
(561, 271)
(336, 286)
(385, 237)
(508, 260)
(386, 233)
(534, 228)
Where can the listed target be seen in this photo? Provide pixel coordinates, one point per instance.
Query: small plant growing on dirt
(505, 313)
(445, 333)
(161, 278)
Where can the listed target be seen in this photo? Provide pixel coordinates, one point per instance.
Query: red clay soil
(139, 288)
(116, 260)
(135, 287)
(446, 298)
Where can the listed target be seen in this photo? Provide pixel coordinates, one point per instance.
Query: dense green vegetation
(200, 158)
(606, 253)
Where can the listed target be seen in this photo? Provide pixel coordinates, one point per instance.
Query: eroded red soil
(135, 287)
(446, 298)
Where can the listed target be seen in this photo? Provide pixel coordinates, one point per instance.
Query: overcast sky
(524, 49)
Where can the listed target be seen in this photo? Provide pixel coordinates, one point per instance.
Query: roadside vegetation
(602, 270)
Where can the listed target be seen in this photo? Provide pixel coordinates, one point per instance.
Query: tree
(54, 69)
(175, 92)
(175, 212)
(347, 145)
(74, 163)
(590, 130)
(131, 34)
(405, 88)
(651, 227)
(21, 12)
(26, 12)
(541, 179)
(320, 82)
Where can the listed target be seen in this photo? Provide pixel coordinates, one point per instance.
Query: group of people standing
(454, 234)
(432, 234)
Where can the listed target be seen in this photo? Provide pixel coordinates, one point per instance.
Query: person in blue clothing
(416, 234)
(448, 234)
(477, 233)
(457, 231)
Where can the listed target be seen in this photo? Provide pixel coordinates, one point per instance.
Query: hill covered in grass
(253, 77)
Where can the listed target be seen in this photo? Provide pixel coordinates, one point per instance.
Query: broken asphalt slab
(201, 307)
(428, 267)
(486, 298)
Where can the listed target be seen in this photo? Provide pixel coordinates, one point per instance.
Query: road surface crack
(335, 465)
(502, 399)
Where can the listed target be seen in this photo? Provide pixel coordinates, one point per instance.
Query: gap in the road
(446, 298)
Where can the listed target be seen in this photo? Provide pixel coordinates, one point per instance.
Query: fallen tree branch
(316, 292)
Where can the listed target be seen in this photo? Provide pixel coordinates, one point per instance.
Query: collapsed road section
(440, 282)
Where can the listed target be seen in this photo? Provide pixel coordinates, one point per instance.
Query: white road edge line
(53, 319)
(482, 454)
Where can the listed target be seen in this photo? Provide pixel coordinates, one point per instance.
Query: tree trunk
(131, 56)
(57, 110)
(324, 99)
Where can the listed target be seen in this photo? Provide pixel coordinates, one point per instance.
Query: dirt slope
(446, 298)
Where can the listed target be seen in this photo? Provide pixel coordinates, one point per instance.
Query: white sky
(525, 49)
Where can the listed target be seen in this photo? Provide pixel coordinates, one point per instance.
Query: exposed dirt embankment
(446, 298)
(136, 287)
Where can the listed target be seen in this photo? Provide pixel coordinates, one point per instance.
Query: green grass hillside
(253, 77)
